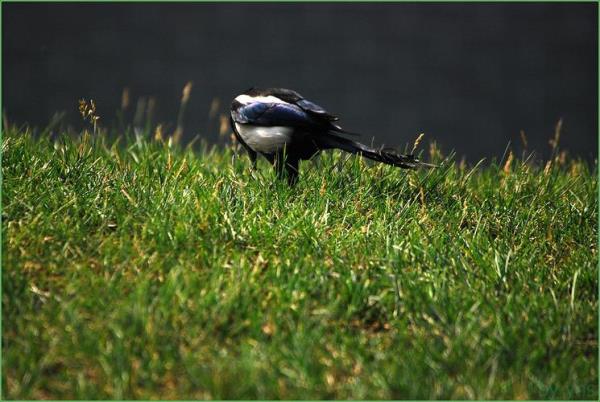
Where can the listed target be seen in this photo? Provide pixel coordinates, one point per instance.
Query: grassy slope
(142, 271)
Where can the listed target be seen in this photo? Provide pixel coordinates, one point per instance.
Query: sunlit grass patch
(140, 269)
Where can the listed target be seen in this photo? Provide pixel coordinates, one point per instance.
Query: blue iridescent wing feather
(274, 114)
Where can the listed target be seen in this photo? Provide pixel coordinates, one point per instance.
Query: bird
(285, 128)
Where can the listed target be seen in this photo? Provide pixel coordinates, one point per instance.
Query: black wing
(309, 107)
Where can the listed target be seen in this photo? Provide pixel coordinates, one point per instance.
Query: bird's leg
(292, 170)
(286, 167)
(279, 165)
(252, 155)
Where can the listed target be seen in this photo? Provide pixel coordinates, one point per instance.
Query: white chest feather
(264, 139)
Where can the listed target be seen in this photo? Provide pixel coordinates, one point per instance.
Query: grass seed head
(87, 109)
(508, 163)
(125, 99)
(214, 108)
(187, 90)
(417, 141)
(523, 138)
(554, 141)
(223, 125)
(158, 133)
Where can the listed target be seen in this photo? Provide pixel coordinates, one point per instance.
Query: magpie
(285, 128)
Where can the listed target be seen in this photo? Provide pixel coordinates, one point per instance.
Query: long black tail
(384, 155)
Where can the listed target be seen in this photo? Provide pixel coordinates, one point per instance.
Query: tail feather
(384, 155)
(337, 129)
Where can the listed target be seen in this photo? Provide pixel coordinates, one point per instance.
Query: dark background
(470, 76)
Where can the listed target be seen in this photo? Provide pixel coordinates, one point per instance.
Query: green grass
(143, 270)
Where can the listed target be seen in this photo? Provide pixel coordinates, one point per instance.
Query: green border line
(1, 222)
